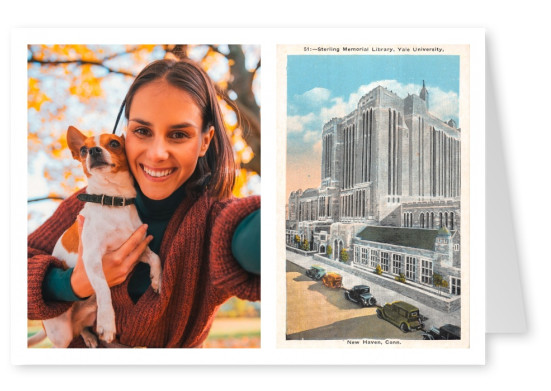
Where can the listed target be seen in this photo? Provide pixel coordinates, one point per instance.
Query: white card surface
(273, 208)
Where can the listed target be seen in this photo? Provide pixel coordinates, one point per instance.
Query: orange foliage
(89, 86)
(36, 97)
(85, 73)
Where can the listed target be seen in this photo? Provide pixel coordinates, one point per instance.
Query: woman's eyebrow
(140, 121)
(175, 126)
(183, 125)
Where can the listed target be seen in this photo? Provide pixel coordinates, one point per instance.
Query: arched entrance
(341, 246)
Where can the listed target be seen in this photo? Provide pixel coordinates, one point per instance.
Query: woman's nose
(158, 150)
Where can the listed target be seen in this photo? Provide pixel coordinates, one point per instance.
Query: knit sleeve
(40, 245)
(226, 272)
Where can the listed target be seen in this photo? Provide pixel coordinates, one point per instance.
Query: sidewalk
(383, 295)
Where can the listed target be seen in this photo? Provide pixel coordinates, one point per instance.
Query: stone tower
(424, 94)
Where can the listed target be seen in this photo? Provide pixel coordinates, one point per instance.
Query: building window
(456, 286)
(374, 258)
(357, 254)
(365, 256)
(384, 261)
(396, 263)
(456, 247)
(410, 268)
(363, 203)
(426, 272)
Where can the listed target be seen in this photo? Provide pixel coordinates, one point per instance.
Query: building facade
(389, 164)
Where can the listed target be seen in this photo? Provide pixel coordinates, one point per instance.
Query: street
(316, 312)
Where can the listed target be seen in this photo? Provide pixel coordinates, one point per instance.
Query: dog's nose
(95, 151)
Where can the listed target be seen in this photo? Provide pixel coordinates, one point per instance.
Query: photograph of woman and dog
(146, 234)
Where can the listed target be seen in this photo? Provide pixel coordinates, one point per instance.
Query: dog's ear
(75, 140)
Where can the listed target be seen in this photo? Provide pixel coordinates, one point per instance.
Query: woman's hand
(117, 264)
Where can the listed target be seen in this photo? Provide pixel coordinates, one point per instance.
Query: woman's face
(164, 139)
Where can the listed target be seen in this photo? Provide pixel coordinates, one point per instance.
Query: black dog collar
(106, 200)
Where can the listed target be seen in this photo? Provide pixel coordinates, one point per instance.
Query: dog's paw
(89, 338)
(156, 282)
(156, 271)
(106, 326)
(106, 335)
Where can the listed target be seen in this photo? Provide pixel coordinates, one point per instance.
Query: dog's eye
(83, 151)
(114, 144)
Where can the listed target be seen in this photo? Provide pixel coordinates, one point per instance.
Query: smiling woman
(181, 158)
(164, 138)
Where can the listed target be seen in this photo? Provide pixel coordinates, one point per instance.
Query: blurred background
(84, 86)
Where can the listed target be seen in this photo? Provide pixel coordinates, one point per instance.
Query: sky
(321, 87)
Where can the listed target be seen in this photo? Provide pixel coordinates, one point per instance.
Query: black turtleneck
(156, 214)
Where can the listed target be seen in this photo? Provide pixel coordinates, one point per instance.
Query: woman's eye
(114, 144)
(141, 132)
(179, 135)
(83, 151)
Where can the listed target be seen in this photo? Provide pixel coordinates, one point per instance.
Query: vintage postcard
(376, 195)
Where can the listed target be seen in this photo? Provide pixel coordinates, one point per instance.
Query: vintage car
(403, 315)
(446, 332)
(332, 280)
(360, 294)
(315, 272)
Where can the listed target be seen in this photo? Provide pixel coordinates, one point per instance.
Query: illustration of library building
(390, 193)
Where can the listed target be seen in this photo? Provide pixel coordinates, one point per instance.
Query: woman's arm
(116, 264)
(73, 284)
(40, 245)
(246, 243)
(229, 274)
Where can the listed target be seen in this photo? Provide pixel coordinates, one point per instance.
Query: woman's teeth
(157, 174)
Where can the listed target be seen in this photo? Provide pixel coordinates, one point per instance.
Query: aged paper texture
(376, 196)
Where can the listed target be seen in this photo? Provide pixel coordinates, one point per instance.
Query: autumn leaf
(35, 96)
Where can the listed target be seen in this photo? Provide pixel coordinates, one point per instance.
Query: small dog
(110, 218)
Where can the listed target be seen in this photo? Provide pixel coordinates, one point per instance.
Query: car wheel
(371, 301)
(346, 296)
(404, 327)
(379, 315)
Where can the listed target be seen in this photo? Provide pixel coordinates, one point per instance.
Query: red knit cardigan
(199, 274)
